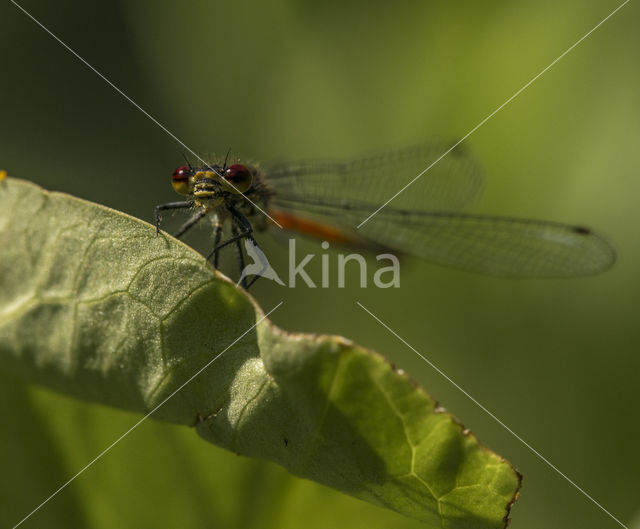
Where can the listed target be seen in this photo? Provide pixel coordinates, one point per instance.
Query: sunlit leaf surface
(94, 304)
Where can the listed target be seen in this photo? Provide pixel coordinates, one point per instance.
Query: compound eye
(239, 176)
(180, 179)
(181, 173)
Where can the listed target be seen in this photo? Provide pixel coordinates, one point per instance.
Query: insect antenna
(226, 158)
(186, 160)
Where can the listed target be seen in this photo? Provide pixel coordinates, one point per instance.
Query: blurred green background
(557, 361)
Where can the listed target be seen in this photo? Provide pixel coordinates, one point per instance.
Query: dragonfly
(329, 199)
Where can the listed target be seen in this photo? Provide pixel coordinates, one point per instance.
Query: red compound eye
(237, 173)
(239, 177)
(181, 174)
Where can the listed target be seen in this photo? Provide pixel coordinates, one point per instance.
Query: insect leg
(216, 242)
(247, 231)
(171, 205)
(242, 221)
(255, 278)
(190, 224)
(234, 231)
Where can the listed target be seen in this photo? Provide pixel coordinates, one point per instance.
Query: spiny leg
(244, 223)
(190, 223)
(234, 231)
(241, 221)
(216, 242)
(171, 205)
(255, 278)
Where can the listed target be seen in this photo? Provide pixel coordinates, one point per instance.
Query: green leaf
(94, 304)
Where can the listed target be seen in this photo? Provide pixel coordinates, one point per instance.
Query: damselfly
(329, 200)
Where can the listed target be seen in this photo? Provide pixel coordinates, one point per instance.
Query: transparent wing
(416, 224)
(449, 185)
